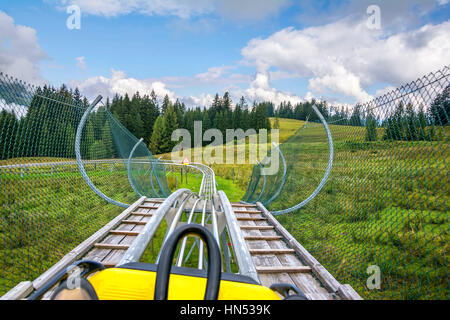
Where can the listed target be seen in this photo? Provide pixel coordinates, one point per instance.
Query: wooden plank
(243, 205)
(140, 223)
(346, 292)
(156, 200)
(244, 211)
(324, 276)
(142, 214)
(250, 218)
(124, 233)
(267, 238)
(267, 279)
(247, 227)
(100, 255)
(283, 269)
(148, 207)
(114, 256)
(21, 291)
(84, 247)
(272, 251)
(304, 281)
(111, 246)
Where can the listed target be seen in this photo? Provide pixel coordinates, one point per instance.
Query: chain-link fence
(46, 205)
(381, 221)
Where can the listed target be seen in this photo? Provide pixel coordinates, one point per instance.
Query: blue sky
(273, 50)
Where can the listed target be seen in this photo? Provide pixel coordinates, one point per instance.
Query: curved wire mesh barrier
(381, 221)
(46, 207)
(147, 174)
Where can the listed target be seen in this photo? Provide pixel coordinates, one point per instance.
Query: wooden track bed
(107, 245)
(110, 250)
(277, 261)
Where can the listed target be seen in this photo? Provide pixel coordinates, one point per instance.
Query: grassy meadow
(44, 216)
(385, 204)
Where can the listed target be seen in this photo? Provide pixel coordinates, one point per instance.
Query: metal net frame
(46, 206)
(380, 223)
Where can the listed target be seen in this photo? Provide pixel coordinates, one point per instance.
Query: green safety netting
(47, 200)
(381, 220)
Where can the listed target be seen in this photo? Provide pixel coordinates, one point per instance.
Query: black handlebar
(167, 255)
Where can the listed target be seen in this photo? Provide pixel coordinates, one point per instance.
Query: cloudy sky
(274, 50)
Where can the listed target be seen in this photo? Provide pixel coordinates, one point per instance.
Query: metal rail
(183, 244)
(201, 246)
(241, 250)
(141, 242)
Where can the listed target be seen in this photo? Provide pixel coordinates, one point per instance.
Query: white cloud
(384, 91)
(81, 63)
(20, 53)
(120, 83)
(213, 74)
(217, 76)
(19, 110)
(204, 100)
(345, 57)
(260, 90)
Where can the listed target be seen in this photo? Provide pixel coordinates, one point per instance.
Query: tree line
(405, 122)
(48, 127)
(143, 116)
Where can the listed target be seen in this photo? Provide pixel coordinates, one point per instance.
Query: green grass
(44, 216)
(385, 204)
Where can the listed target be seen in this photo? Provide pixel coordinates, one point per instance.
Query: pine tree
(246, 120)
(237, 117)
(88, 140)
(226, 101)
(412, 123)
(206, 124)
(356, 118)
(8, 127)
(108, 140)
(98, 151)
(166, 104)
(422, 124)
(70, 141)
(371, 128)
(276, 125)
(171, 124)
(439, 111)
(158, 142)
(243, 103)
(395, 124)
